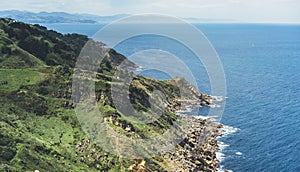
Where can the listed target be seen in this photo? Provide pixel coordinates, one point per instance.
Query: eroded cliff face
(39, 129)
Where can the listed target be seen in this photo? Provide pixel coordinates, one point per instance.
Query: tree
(35, 46)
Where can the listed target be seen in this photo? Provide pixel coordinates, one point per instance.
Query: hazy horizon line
(187, 19)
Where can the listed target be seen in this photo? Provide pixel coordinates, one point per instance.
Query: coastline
(199, 150)
(225, 131)
(202, 149)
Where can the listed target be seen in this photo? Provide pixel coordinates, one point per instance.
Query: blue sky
(262, 11)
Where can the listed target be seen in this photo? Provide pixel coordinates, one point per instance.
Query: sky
(253, 11)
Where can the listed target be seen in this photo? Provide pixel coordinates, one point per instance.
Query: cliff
(39, 129)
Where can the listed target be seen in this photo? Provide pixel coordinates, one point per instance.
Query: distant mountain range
(58, 17)
(63, 17)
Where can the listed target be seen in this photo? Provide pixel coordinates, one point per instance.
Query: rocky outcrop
(197, 152)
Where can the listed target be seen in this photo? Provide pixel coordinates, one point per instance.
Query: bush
(35, 46)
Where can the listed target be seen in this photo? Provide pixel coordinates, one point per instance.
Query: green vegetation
(13, 79)
(39, 129)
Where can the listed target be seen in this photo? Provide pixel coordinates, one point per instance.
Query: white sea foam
(220, 156)
(189, 108)
(221, 170)
(186, 109)
(203, 117)
(239, 153)
(222, 145)
(218, 98)
(139, 69)
(225, 131)
(214, 106)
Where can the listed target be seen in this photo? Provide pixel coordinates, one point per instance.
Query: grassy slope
(36, 130)
(38, 126)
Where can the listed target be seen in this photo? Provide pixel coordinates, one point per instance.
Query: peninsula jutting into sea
(39, 128)
(56, 115)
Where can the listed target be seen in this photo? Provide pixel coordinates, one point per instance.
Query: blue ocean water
(262, 68)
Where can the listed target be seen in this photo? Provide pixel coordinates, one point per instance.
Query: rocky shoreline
(197, 152)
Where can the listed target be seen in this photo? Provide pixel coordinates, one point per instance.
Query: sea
(262, 68)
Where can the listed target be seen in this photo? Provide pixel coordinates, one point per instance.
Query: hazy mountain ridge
(58, 17)
(63, 17)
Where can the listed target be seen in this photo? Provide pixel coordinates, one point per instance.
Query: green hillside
(39, 129)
